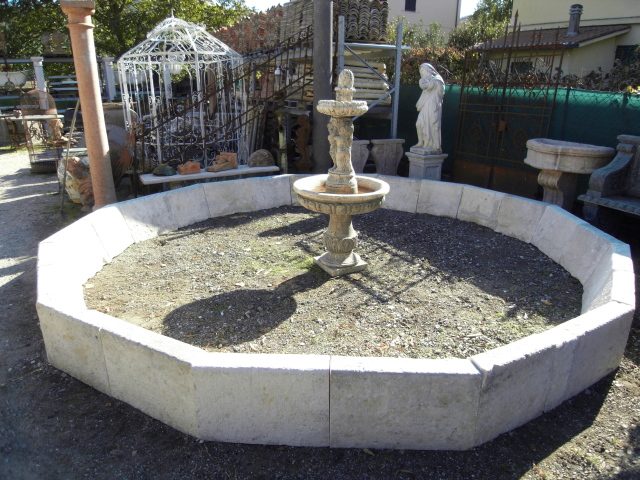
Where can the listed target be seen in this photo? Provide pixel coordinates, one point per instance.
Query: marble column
(38, 70)
(84, 58)
(109, 78)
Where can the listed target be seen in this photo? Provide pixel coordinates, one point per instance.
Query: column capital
(78, 9)
(37, 59)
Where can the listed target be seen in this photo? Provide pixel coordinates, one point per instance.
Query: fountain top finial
(344, 105)
(345, 90)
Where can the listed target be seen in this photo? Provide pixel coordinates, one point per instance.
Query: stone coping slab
(335, 401)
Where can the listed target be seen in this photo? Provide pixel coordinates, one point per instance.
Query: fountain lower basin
(340, 238)
(312, 194)
(320, 400)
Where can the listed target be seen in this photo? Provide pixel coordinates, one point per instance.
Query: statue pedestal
(386, 154)
(425, 164)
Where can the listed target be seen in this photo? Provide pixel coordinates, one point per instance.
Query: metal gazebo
(180, 83)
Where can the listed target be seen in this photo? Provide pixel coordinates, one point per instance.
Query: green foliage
(623, 77)
(122, 24)
(416, 35)
(448, 61)
(119, 24)
(487, 22)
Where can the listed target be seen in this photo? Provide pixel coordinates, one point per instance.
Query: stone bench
(614, 190)
(243, 170)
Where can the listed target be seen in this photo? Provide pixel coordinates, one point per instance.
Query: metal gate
(507, 97)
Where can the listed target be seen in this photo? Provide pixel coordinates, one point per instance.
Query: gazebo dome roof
(174, 35)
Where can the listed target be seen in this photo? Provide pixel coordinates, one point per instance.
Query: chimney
(574, 20)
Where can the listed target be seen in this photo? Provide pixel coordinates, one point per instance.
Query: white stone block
(441, 199)
(518, 217)
(603, 285)
(403, 195)
(112, 230)
(152, 373)
(403, 403)
(235, 196)
(564, 343)
(515, 384)
(59, 287)
(601, 339)
(617, 286)
(150, 216)
(481, 206)
(264, 399)
(189, 205)
(271, 192)
(77, 245)
(74, 346)
(294, 195)
(555, 229)
(587, 245)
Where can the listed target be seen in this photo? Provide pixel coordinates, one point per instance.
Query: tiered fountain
(341, 193)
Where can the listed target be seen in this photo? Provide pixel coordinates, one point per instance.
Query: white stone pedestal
(386, 154)
(425, 164)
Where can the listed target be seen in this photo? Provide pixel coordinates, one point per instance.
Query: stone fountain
(341, 193)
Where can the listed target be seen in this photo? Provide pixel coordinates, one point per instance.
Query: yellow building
(444, 12)
(593, 33)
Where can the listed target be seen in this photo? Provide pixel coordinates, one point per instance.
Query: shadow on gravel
(240, 316)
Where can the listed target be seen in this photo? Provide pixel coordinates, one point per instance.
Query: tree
(487, 22)
(417, 35)
(119, 24)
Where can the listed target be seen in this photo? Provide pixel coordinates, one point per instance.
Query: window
(627, 54)
(410, 5)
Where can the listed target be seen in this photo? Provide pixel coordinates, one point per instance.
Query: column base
(352, 265)
(425, 166)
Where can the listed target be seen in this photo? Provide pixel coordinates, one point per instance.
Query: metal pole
(340, 44)
(396, 83)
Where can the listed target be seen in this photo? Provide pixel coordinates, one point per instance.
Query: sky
(468, 6)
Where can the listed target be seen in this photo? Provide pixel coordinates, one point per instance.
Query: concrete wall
(335, 401)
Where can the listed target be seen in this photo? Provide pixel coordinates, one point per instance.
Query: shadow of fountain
(239, 316)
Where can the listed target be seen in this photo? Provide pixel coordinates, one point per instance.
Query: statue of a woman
(430, 107)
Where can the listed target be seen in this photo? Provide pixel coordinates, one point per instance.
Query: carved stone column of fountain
(340, 193)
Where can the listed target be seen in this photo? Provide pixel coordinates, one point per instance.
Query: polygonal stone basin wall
(320, 400)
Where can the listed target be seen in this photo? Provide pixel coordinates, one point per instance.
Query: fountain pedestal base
(355, 264)
(340, 239)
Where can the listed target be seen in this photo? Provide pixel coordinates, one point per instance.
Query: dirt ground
(54, 427)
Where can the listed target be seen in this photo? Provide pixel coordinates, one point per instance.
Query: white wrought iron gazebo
(183, 85)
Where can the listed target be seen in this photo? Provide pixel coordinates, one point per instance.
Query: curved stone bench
(335, 401)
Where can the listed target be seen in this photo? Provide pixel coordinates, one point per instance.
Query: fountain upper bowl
(337, 108)
(312, 195)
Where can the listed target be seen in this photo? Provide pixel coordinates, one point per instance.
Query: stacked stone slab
(321, 400)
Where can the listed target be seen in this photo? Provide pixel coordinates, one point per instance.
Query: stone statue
(430, 107)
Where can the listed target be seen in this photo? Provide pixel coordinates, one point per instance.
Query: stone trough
(335, 401)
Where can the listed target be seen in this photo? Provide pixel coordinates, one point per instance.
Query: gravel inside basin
(436, 287)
